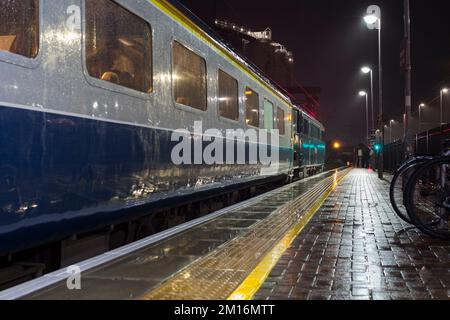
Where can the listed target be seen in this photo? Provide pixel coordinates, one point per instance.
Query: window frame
(20, 60)
(225, 119)
(106, 85)
(249, 87)
(181, 106)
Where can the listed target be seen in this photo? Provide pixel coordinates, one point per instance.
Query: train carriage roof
(310, 118)
(188, 19)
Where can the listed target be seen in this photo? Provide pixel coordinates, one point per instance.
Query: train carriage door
(296, 128)
(306, 141)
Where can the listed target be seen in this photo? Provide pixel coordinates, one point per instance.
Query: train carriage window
(305, 126)
(268, 115)
(316, 132)
(280, 121)
(118, 46)
(313, 131)
(189, 77)
(19, 27)
(251, 107)
(228, 96)
(300, 122)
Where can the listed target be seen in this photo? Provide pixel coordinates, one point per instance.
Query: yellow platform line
(259, 275)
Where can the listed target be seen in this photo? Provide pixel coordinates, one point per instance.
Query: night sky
(331, 42)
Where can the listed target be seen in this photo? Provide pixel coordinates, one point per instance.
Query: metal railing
(426, 143)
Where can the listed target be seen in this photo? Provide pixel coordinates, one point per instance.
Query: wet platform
(334, 236)
(357, 248)
(211, 260)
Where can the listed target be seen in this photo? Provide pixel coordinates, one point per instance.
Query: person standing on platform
(372, 158)
(360, 157)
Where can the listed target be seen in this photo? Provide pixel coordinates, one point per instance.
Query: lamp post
(421, 106)
(364, 94)
(386, 127)
(373, 21)
(390, 130)
(443, 91)
(367, 70)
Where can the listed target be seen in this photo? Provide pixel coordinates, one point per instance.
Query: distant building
(272, 58)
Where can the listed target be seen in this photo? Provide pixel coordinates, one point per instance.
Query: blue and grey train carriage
(309, 147)
(90, 93)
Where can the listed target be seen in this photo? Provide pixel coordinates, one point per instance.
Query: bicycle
(398, 185)
(427, 197)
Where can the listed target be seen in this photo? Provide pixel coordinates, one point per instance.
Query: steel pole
(371, 96)
(390, 132)
(442, 109)
(407, 140)
(420, 119)
(380, 116)
(367, 119)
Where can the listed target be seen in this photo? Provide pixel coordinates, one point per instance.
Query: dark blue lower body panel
(61, 175)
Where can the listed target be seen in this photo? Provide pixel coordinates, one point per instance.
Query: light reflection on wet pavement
(134, 275)
(356, 248)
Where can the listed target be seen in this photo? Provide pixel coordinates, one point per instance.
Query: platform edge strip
(28, 288)
(250, 286)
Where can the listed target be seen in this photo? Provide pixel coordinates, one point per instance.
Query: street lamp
(421, 106)
(371, 18)
(443, 91)
(367, 70)
(364, 94)
(336, 145)
(373, 21)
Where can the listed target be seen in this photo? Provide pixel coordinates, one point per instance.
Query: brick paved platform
(356, 248)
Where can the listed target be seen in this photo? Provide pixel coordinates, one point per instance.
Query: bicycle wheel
(427, 198)
(398, 186)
